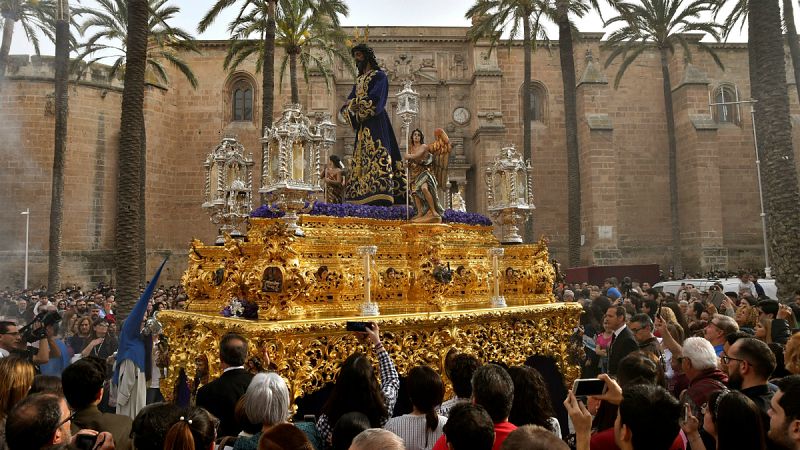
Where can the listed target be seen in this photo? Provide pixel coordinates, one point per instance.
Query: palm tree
(264, 11)
(737, 15)
(129, 208)
(494, 18)
(306, 38)
(660, 24)
(262, 15)
(62, 41)
(34, 16)
(111, 29)
(774, 130)
(560, 12)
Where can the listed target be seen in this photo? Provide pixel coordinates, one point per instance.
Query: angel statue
(428, 169)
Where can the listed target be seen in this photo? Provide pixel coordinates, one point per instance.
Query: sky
(362, 12)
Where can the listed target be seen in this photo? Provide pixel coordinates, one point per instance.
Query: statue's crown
(358, 38)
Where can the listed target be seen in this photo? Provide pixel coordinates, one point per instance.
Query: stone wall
(623, 145)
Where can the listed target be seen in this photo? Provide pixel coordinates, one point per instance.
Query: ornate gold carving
(308, 352)
(422, 268)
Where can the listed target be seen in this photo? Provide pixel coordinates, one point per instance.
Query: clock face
(461, 115)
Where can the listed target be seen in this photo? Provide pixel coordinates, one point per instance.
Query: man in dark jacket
(82, 382)
(750, 362)
(219, 397)
(622, 341)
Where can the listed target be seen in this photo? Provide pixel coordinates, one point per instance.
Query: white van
(728, 285)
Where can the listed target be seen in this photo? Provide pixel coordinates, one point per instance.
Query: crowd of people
(696, 370)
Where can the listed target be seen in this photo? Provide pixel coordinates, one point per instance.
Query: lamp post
(752, 102)
(498, 301)
(27, 214)
(368, 308)
(407, 110)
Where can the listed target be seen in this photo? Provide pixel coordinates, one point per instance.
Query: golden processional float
(309, 267)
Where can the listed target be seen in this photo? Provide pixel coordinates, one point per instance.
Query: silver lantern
(228, 188)
(509, 182)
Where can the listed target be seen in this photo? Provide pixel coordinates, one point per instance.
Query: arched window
(538, 103)
(725, 109)
(242, 100)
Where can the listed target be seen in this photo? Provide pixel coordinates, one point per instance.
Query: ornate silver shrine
(228, 188)
(510, 193)
(294, 149)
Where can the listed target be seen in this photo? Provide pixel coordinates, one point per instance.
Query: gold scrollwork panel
(308, 353)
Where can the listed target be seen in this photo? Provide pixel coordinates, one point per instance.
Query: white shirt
(414, 432)
(619, 330)
(39, 307)
(233, 368)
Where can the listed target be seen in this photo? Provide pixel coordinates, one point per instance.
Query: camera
(30, 334)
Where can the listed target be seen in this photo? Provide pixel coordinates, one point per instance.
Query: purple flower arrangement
(266, 212)
(468, 218)
(241, 308)
(396, 212)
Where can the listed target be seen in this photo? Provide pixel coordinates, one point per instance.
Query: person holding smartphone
(357, 388)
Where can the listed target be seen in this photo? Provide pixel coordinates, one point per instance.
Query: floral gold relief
(308, 352)
(432, 282)
(422, 268)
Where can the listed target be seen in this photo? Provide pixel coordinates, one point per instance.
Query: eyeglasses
(11, 333)
(635, 330)
(69, 418)
(726, 359)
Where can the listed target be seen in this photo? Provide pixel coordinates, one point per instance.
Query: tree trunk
(268, 81)
(527, 49)
(672, 155)
(128, 232)
(794, 45)
(268, 69)
(774, 130)
(293, 77)
(571, 128)
(141, 247)
(59, 154)
(5, 45)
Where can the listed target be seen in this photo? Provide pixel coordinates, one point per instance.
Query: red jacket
(701, 388)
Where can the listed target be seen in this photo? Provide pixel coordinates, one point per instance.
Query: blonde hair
(16, 378)
(792, 355)
(669, 315)
(766, 322)
(749, 316)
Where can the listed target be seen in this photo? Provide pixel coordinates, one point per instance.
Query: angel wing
(440, 149)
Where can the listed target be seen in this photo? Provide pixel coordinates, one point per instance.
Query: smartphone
(685, 416)
(586, 387)
(85, 441)
(357, 326)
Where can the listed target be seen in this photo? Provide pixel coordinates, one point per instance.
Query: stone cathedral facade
(472, 91)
